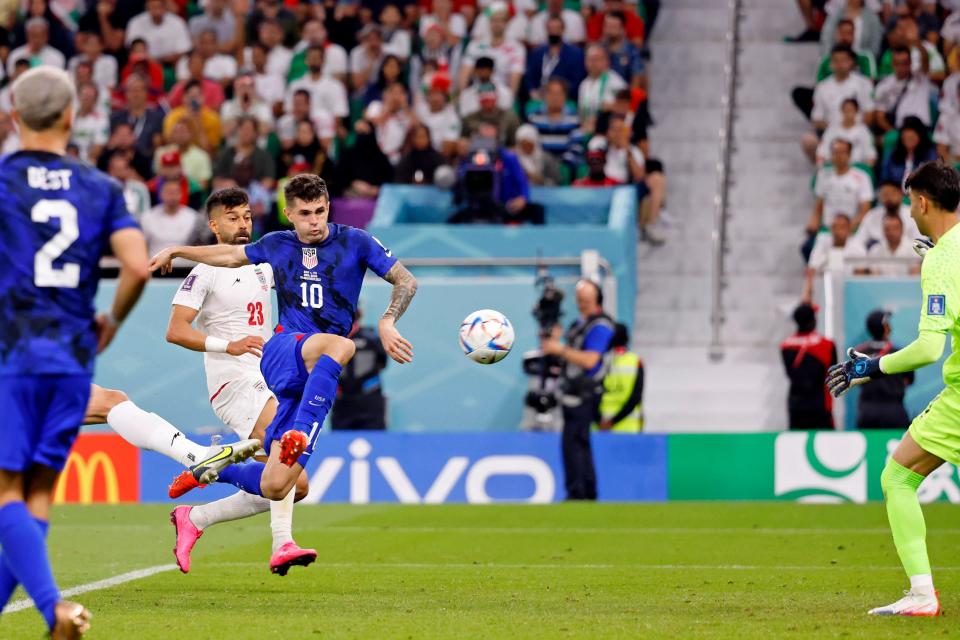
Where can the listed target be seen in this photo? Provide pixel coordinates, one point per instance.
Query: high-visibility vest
(616, 390)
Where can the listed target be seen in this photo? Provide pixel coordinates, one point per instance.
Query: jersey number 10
(311, 295)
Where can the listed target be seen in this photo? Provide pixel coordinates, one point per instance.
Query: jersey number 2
(44, 273)
(311, 295)
(256, 314)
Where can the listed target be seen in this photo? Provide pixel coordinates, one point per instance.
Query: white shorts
(239, 403)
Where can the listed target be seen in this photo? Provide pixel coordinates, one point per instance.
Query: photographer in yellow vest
(621, 409)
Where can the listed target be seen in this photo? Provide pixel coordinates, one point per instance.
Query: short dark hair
(617, 15)
(307, 187)
(484, 62)
(899, 51)
(621, 335)
(889, 182)
(853, 101)
(938, 181)
(842, 48)
(316, 47)
(191, 84)
(226, 198)
(843, 141)
(844, 21)
(560, 81)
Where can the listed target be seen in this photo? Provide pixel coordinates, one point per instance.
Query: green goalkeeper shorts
(937, 429)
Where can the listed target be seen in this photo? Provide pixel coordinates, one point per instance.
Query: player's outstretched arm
(130, 248)
(859, 369)
(180, 331)
(216, 255)
(404, 288)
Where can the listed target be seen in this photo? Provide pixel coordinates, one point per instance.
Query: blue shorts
(41, 418)
(285, 373)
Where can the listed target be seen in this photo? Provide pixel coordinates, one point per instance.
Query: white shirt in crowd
(270, 87)
(574, 28)
(871, 227)
(516, 30)
(842, 193)
(618, 167)
(905, 253)
(469, 100)
(324, 124)
(361, 60)
(457, 24)
(948, 93)
(334, 57)
(509, 57)
(48, 56)
(217, 67)
(829, 94)
(326, 95)
(89, 131)
(225, 312)
(259, 110)
(824, 254)
(947, 131)
(170, 37)
(444, 125)
(913, 95)
(398, 44)
(278, 62)
(864, 150)
(391, 131)
(104, 69)
(163, 230)
(596, 92)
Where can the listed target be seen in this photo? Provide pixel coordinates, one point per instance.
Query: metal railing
(720, 200)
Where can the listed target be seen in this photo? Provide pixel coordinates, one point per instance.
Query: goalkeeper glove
(859, 369)
(921, 246)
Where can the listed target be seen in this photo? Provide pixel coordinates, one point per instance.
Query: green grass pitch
(679, 570)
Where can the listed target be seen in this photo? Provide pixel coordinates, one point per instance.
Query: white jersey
(233, 303)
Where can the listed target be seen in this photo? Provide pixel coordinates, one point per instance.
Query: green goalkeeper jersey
(940, 281)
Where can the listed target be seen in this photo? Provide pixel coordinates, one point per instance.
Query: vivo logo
(476, 474)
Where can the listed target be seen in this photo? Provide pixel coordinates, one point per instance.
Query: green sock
(906, 518)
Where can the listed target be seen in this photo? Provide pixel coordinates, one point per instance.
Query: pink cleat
(290, 555)
(187, 536)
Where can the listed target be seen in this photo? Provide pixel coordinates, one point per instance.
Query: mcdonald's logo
(102, 468)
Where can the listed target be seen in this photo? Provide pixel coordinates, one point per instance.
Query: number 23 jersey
(318, 285)
(56, 221)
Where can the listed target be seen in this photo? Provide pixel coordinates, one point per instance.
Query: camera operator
(587, 341)
(492, 187)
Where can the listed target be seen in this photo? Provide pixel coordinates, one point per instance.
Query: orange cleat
(182, 484)
(292, 444)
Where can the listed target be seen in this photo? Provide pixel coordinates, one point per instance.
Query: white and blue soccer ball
(486, 336)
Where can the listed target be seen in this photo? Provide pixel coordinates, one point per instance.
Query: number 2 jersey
(318, 285)
(56, 219)
(231, 304)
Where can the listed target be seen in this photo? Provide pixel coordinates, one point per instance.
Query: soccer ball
(486, 336)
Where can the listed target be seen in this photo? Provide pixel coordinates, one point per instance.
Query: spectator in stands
(947, 132)
(419, 160)
(342, 22)
(273, 11)
(812, 12)
(392, 119)
(542, 168)
(839, 189)
(855, 26)
(145, 121)
(171, 170)
(211, 91)
(913, 149)
(277, 57)
(439, 116)
(135, 192)
(510, 56)
(482, 74)
(213, 65)
(270, 87)
(391, 72)
(906, 34)
(880, 405)
(555, 59)
(889, 203)
(206, 121)
(624, 56)
(194, 161)
(314, 34)
(806, 357)
(599, 88)
(262, 163)
(109, 20)
(9, 139)
(626, 164)
(363, 168)
(324, 124)
(37, 47)
(574, 29)
(515, 26)
(304, 147)
(170, 224)
(103, 65)
(328, 97)
(893, 246)
(123, 141)
(245, 102)
(831, 251)
(436, 56)
(846, 36)
(596, 169)
(365, 58)
(165, 33)
(921, 12)
(452, 24)
(557, 122)
(222, 22)
(505, 120)
(61, 38)
(825, 106)
(139, 63)
(902, 94)
(950, 32)
(634, 24)
(851, 129)
(91, 127)
(396, 39)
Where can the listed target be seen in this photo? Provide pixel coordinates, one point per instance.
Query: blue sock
(8, 583)
(25, 553)
(318, 394)
(245, 477)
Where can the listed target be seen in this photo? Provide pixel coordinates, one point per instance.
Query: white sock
(239, 505)
(281, 520)
(150, 431)
(922, 582)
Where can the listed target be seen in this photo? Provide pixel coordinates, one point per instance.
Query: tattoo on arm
(404, 288)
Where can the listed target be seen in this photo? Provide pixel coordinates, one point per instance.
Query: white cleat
(913, 603)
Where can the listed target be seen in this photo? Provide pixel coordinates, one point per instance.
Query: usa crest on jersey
(310, 257)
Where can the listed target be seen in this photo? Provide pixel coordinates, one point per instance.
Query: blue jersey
(318, 285)
(58, 215)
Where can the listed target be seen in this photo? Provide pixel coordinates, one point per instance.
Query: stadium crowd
(885, 101)
(176, 98)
